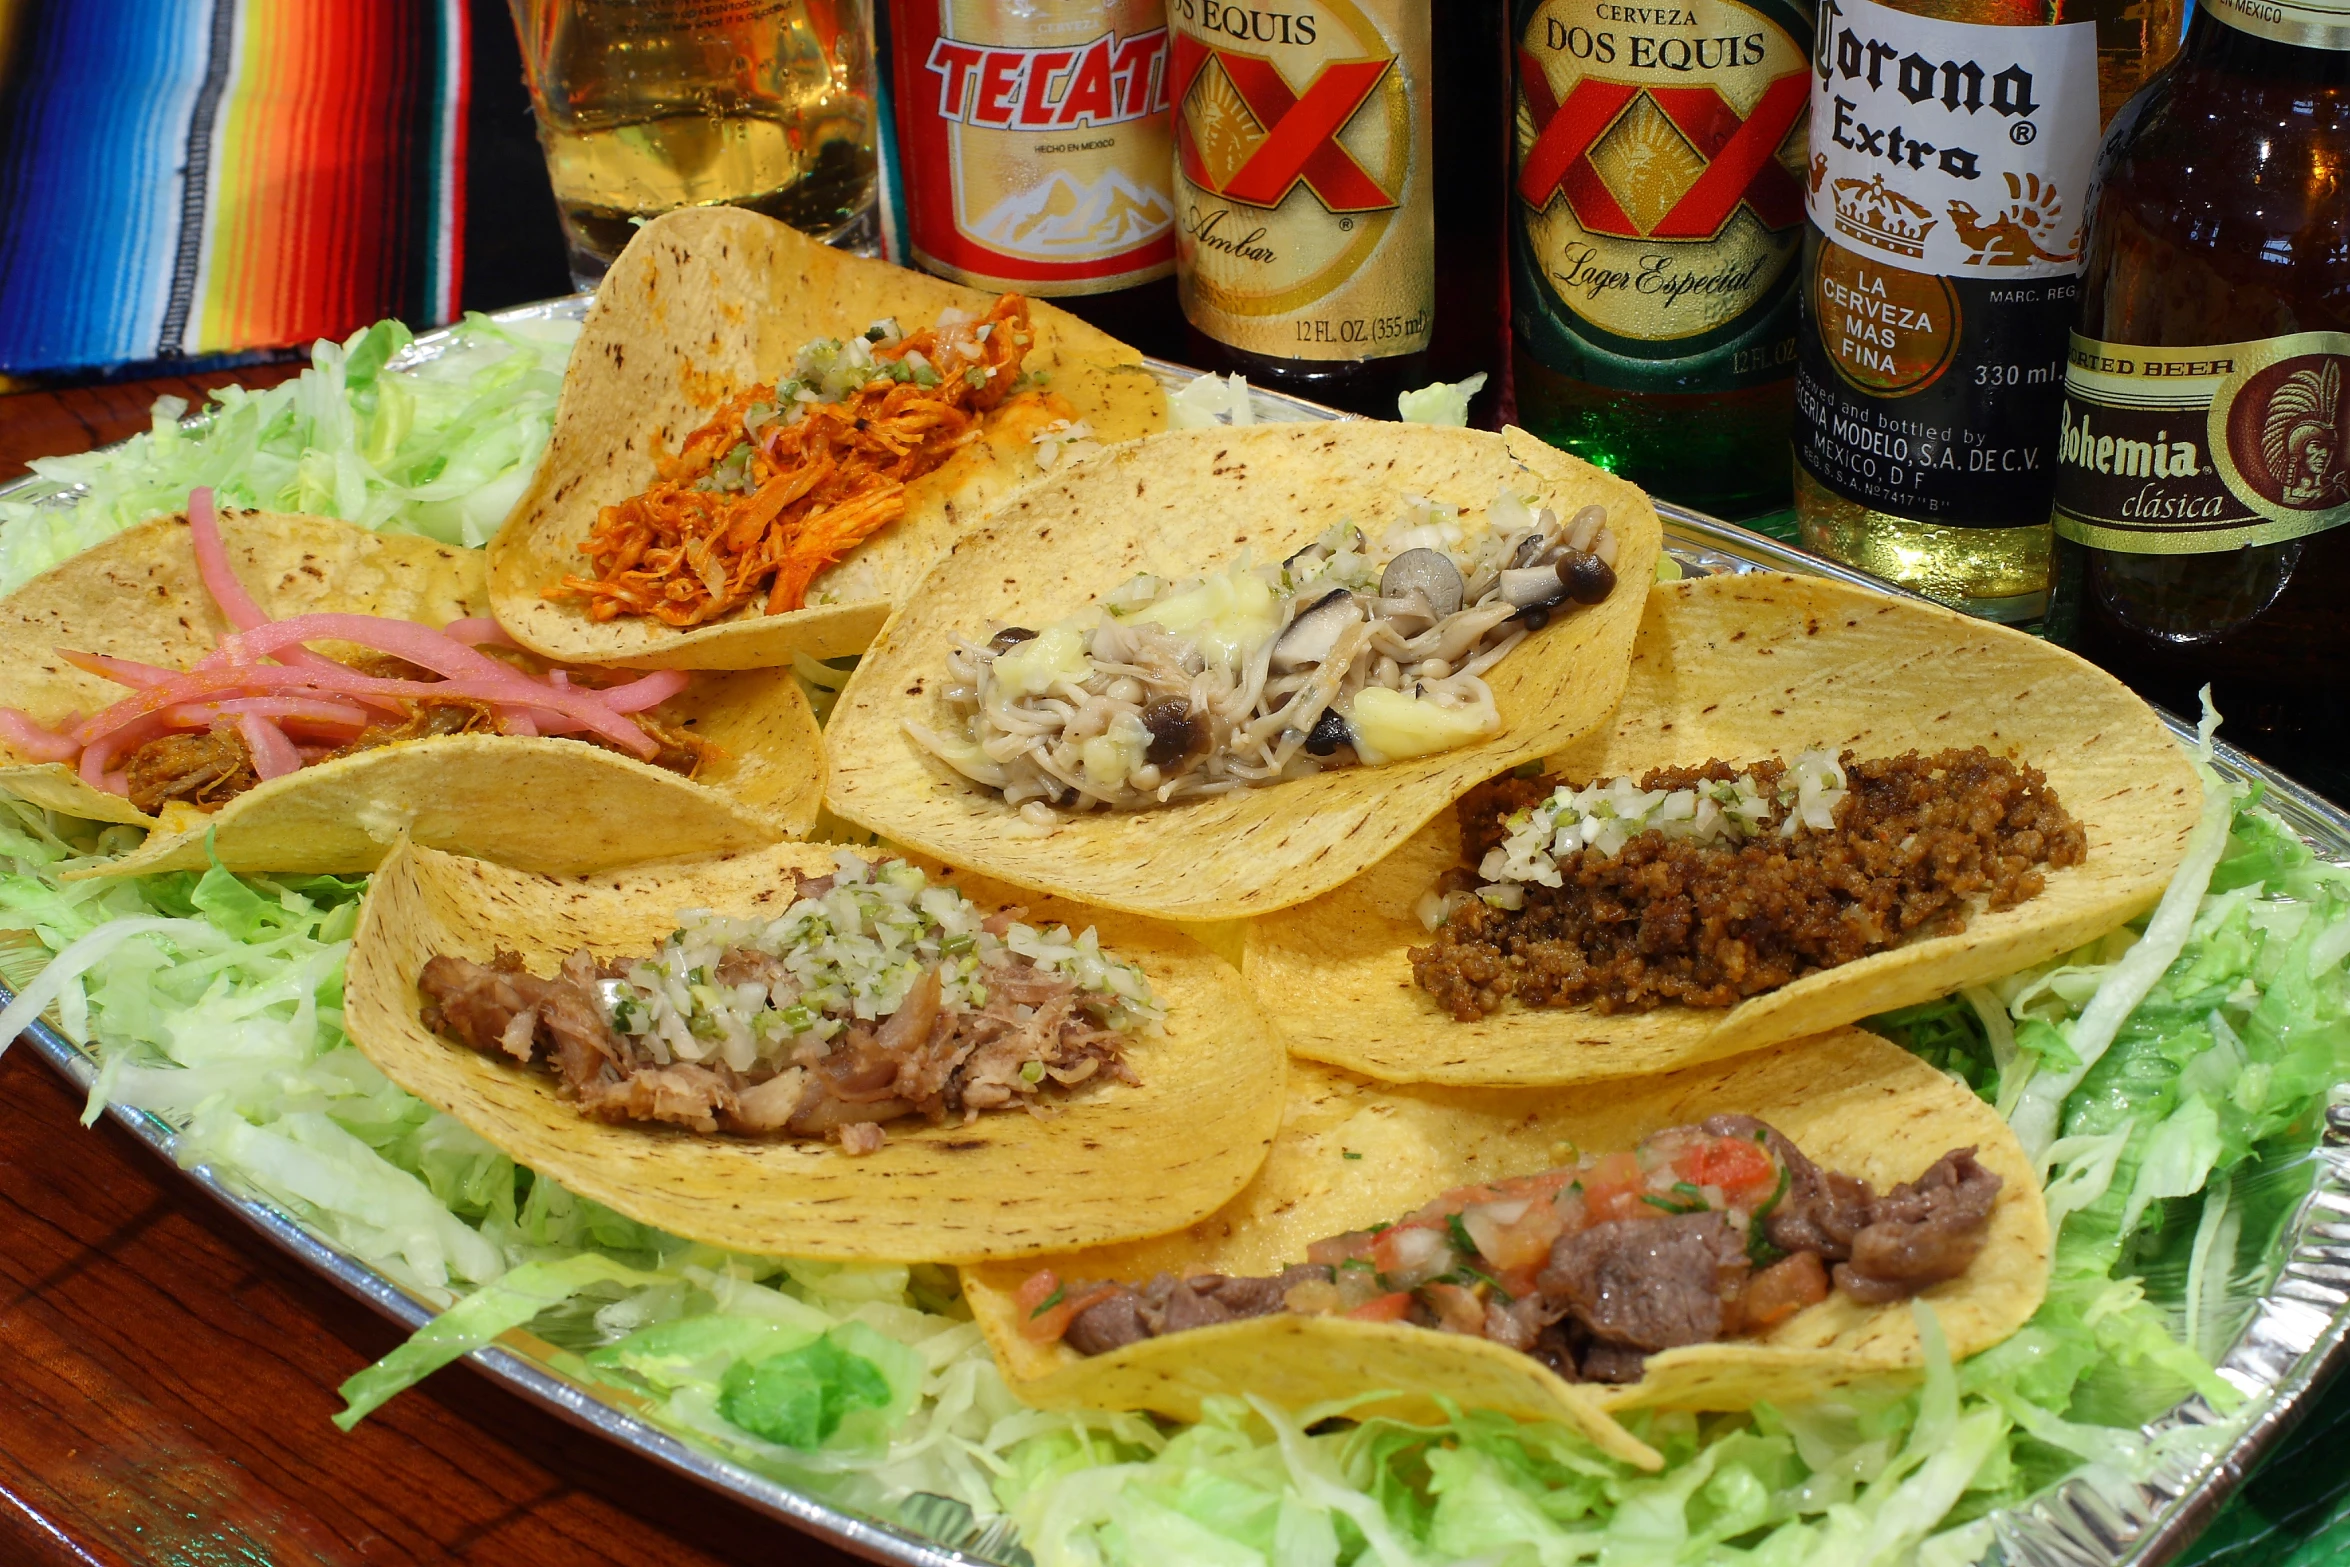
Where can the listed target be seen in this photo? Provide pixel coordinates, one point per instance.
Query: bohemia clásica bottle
(2203, 478)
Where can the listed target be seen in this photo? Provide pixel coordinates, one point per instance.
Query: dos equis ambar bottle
(1339, 167)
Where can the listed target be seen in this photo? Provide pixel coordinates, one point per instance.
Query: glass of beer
(645, 106)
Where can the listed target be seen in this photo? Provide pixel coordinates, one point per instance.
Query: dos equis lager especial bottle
(2203, 473)
(1952, 143)
(1037, 154)
(1655, 223)
(1321, 149)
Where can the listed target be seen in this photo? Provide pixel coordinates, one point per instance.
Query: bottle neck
(2306, 42)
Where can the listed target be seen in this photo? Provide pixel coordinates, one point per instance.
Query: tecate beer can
(1035, 141)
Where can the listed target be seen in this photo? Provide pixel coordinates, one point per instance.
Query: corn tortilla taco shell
(1006, 1184)
(1743, 668)
(543, 803)
(1849, 1100)
(1177, 505)
(712, 300)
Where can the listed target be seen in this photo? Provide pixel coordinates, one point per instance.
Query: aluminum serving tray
(2295, 1338)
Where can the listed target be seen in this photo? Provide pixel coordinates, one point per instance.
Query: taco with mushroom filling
(1705, 885)
(145, 683)
(1698, 1234)
(875, 995)
(1268, 608)
(763, 443)
(1361, 648)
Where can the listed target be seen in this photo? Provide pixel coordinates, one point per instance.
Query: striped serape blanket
(187, 178)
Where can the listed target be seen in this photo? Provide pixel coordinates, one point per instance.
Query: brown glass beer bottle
(2203, 479)
(1339, 173)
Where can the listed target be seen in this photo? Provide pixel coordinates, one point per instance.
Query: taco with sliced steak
(811, 1051)
(287, 693)
(763, 443)
(1744, 1232)
(1214, 673)
(1816, 803)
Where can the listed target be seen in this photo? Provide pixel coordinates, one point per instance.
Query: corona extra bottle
(1952, 143)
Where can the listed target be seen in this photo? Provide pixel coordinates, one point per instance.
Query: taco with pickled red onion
(1816, 803)
(1744, 1232)
(810, 1051)
(292, 693)
(764, 442)
(1214, 673)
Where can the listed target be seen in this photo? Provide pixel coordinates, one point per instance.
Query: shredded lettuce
(1444, 402)
(2177, 1155)
(443, 448)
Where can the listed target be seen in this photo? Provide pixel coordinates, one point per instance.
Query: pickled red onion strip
(305, 711)
(419, 645)
(273, 754)
(212, 564)
(638, 695)
(122, 671)
(509, 689)
(27, 738)
(221, 581)
(478, 630)
(97, 763)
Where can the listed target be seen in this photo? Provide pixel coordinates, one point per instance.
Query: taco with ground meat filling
(1215, 673)
(815, 1052)
(1747, 1231)
(763, 443)
(294, 693)
(1816, 803)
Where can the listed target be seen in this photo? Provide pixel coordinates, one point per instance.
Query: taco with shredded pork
(1816, 803)
(819, 1053)
(293, 693)
(1216, 672)
(764, 442)
(1704, 1240)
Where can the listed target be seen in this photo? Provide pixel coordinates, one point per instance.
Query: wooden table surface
(168, 1375)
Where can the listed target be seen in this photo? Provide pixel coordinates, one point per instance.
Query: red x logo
(1741, 161)
(1300, 132)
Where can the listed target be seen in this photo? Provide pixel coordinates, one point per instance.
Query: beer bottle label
(1036, 142)
(2306, 24)
(1306, 219)
(1949, 178)
(2183, 451)
(1659, 194)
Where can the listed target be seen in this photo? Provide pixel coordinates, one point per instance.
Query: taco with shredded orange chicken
(764, 442)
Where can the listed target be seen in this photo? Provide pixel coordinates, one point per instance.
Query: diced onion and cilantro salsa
(877, 994)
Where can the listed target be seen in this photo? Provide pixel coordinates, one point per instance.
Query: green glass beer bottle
(1656, 221)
